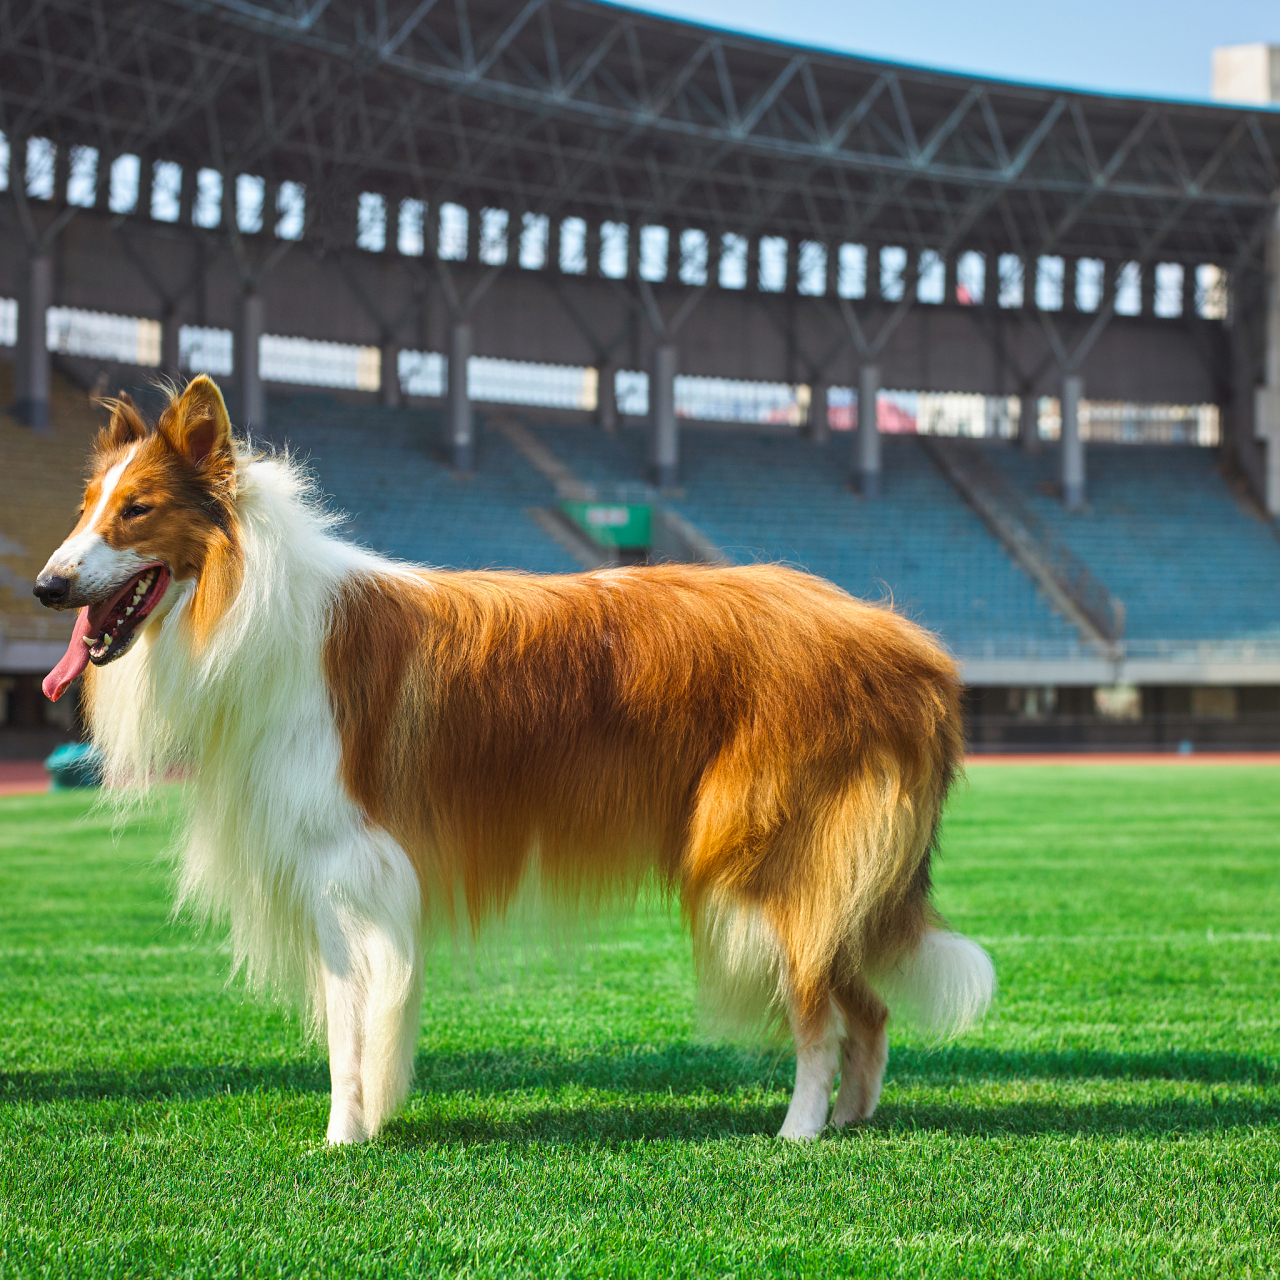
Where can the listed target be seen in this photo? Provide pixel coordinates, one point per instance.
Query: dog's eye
(132, 513)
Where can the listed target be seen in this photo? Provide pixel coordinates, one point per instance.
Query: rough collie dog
(373, 745)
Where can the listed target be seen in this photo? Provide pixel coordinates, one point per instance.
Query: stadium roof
(574, 107)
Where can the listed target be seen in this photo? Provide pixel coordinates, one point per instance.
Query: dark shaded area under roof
(572, 107)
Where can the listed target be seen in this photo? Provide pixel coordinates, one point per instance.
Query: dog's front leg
(368, 919)
(344, 1013)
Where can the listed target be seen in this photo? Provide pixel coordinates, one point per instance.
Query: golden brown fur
(368, 740)
(748, 732)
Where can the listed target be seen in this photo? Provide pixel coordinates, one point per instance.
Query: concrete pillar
(1069, 284)
(229, 219)
(473, 233)
(819, 426)
(607, 397)
(146, 172)
(1029, 422)
(1266, 408)
(31, 370)
(593, 248)
(633, 251)
(867, 467)
(1147, 288)
(991, 278)
(950, 264)
(833, 269)
(515, 223)
(389, 377)
(715, 245)
(61, 173)
(1109, 271)
(253, 400)
(753, 262)
(1072, 444)
(873, 272)
(664, 437)
(553, 243)
(102, 185)
(186, 195)
(1188, 290)
(169, 343)
(995, 418)
(461, 430)
(271, 211)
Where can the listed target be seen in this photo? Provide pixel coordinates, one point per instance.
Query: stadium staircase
(1166, 534)
(38, 499)
(970, 538)
(41, 480)
(388, 470)
(1076, 592)
(747, 496)
(774, 497)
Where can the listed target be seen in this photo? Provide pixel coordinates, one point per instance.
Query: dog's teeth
(106, 642)
(89, 640)
(128, 611)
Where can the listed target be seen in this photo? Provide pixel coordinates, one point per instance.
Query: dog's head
(157, 507)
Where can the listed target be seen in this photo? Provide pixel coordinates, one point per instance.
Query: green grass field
(1118, 1114)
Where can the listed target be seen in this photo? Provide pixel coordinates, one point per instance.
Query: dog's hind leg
(368, 919)
(864, 1053)
(817, 1041)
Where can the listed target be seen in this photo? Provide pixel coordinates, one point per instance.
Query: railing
(1231, 652)
(54, 628)
(1030, 539)
(1012, 648)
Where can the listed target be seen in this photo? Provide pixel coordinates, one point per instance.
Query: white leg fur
(345, 1015)
(817, 1059)
(863, 1058)
(368, 921)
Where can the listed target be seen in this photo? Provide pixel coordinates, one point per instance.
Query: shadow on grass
(681, 1070)
(717, 1118)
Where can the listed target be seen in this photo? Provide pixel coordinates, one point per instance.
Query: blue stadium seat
(387, 470)
(773, 497)
(1166, 535)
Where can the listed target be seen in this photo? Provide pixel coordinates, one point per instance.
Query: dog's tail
(943, 987)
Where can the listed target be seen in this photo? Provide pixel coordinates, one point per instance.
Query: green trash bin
(72, 765)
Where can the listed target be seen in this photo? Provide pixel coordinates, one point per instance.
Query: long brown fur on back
(746, 732)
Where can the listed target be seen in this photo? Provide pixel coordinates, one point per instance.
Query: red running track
(28, 777)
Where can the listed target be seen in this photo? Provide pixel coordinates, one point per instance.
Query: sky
(1161, 48)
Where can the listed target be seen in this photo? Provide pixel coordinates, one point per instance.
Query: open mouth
(113, 626)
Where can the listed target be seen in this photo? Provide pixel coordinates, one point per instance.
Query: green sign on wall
(611, 524)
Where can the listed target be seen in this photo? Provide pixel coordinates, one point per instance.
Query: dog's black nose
(51, 590)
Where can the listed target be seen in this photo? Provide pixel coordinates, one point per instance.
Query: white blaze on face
(89, 563)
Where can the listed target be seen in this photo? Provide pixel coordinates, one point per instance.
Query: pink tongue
(73, 661)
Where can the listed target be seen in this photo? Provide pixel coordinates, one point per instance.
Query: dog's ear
(127, 425)
(196, 424)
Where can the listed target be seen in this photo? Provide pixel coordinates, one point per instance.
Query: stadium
(563, 285)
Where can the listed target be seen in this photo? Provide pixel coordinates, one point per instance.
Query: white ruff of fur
(273, 842)
(943, 988)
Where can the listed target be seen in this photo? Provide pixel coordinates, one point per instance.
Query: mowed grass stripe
(1118, 1114)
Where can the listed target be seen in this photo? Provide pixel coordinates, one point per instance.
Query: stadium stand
(1167, 535)
(772, 496)
(1163, 530)
(37, 499)
(386, 469)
